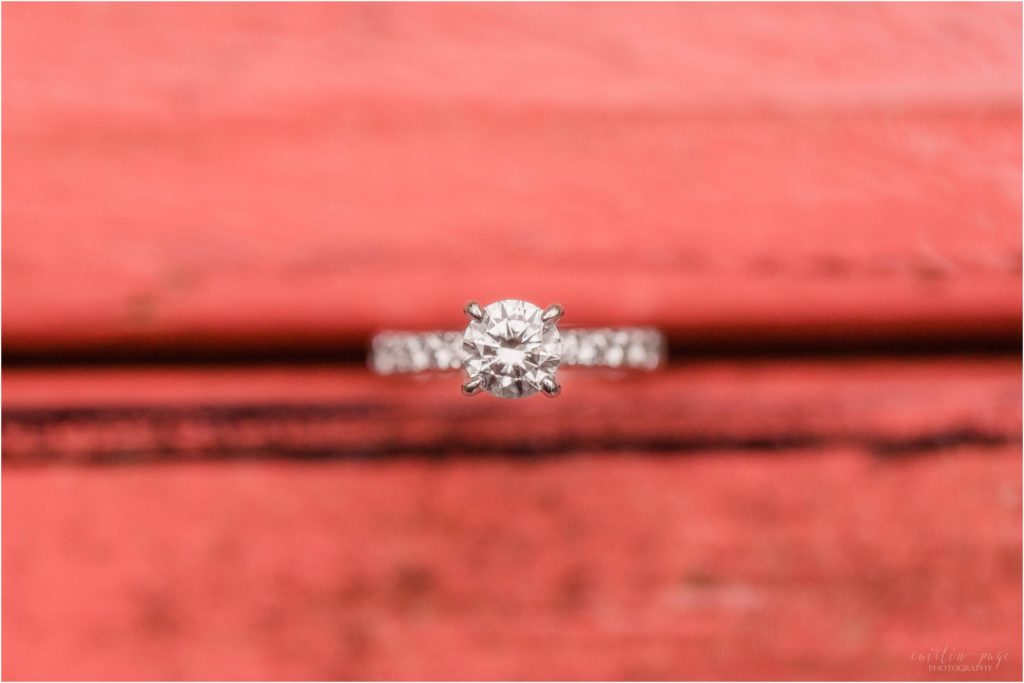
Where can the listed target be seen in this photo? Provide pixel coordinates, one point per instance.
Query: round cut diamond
(511, 349)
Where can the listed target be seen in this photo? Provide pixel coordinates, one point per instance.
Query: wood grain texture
(182, 176)
(886, 407)
(832, 564)
(830, 519)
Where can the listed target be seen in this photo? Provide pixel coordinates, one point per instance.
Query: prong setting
(550, 387)
(473, 311)
(473, 386)
(552, 314)
(511, 348)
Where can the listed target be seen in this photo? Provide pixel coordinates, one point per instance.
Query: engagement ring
(513, 349)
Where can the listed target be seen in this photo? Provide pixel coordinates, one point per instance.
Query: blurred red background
(207, 210)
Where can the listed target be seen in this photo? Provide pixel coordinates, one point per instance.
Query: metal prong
(550, 387)
(473, 385)
(473, 311)
(552, 314)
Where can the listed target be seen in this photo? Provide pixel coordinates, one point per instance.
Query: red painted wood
(188, 177)
(888, 407)
(183, 175)
(889, 524)
(831, 565)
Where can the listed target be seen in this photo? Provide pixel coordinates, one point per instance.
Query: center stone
(511, 348)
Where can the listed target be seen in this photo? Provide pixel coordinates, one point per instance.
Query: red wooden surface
(827, 520)
(628, 566)
(182, 176)
(886, 407)
(187, 180)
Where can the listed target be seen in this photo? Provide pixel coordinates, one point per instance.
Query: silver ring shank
(634, 348)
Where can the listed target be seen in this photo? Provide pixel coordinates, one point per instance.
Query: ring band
(513, 348)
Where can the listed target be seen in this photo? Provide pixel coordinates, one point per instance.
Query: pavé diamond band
(513, 348)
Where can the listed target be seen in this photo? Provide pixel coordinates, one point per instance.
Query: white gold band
(634, 348)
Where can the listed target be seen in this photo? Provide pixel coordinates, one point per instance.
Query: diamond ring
(512, 349)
